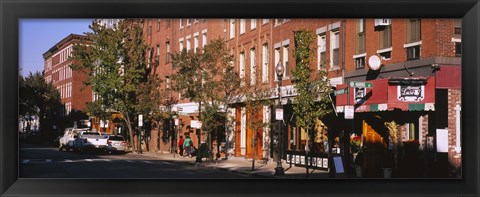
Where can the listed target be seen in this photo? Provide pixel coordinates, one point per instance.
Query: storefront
(388, 114)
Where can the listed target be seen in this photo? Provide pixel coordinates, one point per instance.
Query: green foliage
(38, 98)
(312, 101)
(208, 78)
(116, 66)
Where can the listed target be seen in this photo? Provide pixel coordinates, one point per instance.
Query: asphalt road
(49, 162)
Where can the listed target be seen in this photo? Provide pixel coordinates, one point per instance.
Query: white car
(90, 140)
(66, 141)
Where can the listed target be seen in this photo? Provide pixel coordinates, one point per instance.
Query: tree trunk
(130, 133)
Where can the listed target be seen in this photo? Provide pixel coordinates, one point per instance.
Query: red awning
(449, 77)
(408, 94)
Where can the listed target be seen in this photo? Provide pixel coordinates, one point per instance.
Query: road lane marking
(26, 161)
(68, 160)
(130, 161)
(48, 160)
(88, 160)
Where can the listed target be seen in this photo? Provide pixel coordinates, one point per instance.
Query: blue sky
(39, 35)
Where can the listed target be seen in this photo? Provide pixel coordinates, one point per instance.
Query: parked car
(66, 141)
(116, 143)
(90, 141)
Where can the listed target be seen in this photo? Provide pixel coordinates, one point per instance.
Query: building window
(265, 63)
(242, 67)
(360, 62)
(360, 36)
(195, 20)
(322, 51)
(195, 43)
(264, 21)
(334, 48)
(167, 50)
(277, 59)
(204, 39)
(285, 62)
(188, 43)
(457, 36)
(232, 28)
(157, 54)
(167, 23)
(188, 22)
(386, 55)
(158, 25)
(253, 23)
(413, 30)
(386, 37)
(413, 52)
(242, 26)
(180, 42)
(181, 23)
(253, 67)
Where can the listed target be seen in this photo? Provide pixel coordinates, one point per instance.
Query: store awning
(407, 94)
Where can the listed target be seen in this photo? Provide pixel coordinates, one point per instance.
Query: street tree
(312, 100)
(115, 64)
(256, 96)
(208, 78)
(39, 98)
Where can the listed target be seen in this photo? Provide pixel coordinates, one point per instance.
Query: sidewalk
(244, 166)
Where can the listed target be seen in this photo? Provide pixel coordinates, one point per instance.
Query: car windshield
(116, 138)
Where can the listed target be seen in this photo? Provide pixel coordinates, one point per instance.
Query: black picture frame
(12, 11)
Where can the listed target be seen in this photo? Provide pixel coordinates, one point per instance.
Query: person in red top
(180, 146)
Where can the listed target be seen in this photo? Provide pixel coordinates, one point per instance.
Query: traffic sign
(361, 84)
(341, 91)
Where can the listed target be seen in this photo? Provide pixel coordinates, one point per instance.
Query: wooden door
(238, 117)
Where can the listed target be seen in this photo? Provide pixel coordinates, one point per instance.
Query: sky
(39, 35)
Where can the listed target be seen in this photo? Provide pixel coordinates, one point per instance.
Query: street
(48, 162)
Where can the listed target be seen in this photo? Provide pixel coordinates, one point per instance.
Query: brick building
(67, 81)
(416, 79)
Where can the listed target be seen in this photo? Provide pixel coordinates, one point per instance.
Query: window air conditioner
(382, 22)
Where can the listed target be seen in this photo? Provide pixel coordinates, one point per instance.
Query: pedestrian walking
(180, 146)
(187, 144)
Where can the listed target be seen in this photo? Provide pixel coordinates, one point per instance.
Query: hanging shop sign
(195, 124)
(411, 93)
(349, 111)
(359, 95)
(278, 114)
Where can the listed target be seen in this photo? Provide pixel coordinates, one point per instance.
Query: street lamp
(279, 169)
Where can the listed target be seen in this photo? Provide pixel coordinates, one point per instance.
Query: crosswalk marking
(37, 161)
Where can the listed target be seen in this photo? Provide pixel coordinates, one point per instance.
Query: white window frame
(242, 66)
(265, 21)
(180, 46)
(265, 63)
(195, 42)
(322, 47)
(253, 66)
(189, 44)
(334, 44)
(204, 38)
(232, 28)
(253, 24)
(242, 26)
(181, 23)
(285, 49)
(277, 59)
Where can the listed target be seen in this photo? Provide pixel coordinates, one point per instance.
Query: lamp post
(279, 169)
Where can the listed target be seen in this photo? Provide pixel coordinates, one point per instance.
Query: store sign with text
(411, 93)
